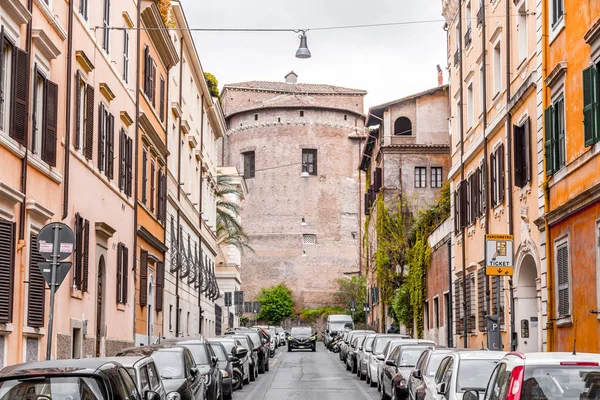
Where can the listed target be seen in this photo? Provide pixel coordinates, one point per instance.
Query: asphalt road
(304, 375)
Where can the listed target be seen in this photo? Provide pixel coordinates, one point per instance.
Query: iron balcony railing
(468, 37)
(480, 16)
(456, 57)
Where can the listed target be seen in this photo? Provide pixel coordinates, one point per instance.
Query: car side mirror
(417, 374)
(194, 372)
(471, 395)
(151, 395)
(390, 363)
(240, 352)
(214, 361)
(380, 357)
(441, 388)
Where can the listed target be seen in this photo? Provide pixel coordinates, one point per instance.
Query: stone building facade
(304, 230)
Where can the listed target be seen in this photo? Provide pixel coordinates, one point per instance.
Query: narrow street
(304, 375)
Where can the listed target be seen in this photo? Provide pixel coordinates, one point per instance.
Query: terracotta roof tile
(293, 88)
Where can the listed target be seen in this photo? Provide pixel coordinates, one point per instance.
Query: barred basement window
(309, 239)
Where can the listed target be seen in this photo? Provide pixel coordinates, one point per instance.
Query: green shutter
(549, 122)
(590, 104)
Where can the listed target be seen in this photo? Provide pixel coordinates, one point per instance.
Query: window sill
(564, 321)
(6, 329)
(33, 332)
(76, 294)
(51, 18)
(556, 30)
(120, 307)
(44, 168)
(11, 145)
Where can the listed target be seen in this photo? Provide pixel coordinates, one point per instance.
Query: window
(436, 312)
(497, 68)
(144, 175)
(563, 279)
(309, 239)
(125, 162)
(302, 113)
(591, 104)
(83, 9)
(436, 177)
(497, 175)
(468, 31)
(309, 161)
(470, 107)
(345, 117)
(45, 118)
(106, 25)
(149, 75)
(249, 168)
(84, 117)
(469, 199)
(426, 316)
(482, 189)
(555, 136)
(125, 54)
(481, 90)
(403, 127)
(522, 31)
(36, 295)
(161, 214)
(7, 260)
(557, 11)
(106, 142)
(122, 273)
(81, 260)
(522, 145)
(420, 177)
(459, 311)
(6, 85)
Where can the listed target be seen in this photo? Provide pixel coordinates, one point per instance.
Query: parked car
(389, 348)
(461, 371)
(280, 335)
(351, 362)
(252, 352)
(348, 341)
(260, 347)
(239, 356)
(206, 362)
(542, 376)
(144, 373)
(363, 357)
(302, 337)
(269, 336)
(177, 369)
(89, 378)
(226, 366)
(398, 368)
(379, 343)
(423, 374)
(335, 324)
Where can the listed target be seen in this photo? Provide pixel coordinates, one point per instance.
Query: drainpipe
(449, 317)
(200, 200)
(509, 131)
(65, 210)
(177, 322)
(360, 200)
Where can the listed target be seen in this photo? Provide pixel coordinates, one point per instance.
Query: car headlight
(313, 338)
(173, 396)
(290, 338)
(224, 373)
(206, 379)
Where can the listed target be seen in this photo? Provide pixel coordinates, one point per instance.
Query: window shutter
(146, 69)
(144, 175)
(20, 100)
(161, 105)
(160, 284)
(79, 251)
(470, 315)
(456, 210)
(562, 257)
(153, 84)
(77, 109)
(125, 274)
(378, 179)
(2, 60)
(463, 204)
(120, 273)
(315, 162)
(129, 162)
(152, 185)
(7, 260)
(549, 122)
(110, 147)
(501, 174)
(559, 134)
(36, 296)
(526, 151)
(101, 137)
(122, 159)
(89, 122)
(367, 204)
(493, 179)
(86, 256)
(482, 298)
(475, 195)
(482, 188)
(50, 119)
(458, 307)
(143, 278)
(590, 101)
(518, 155)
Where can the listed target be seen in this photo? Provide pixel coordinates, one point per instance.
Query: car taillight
(580, 363)
(516, 382)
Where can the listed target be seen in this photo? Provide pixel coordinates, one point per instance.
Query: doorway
(100, 306)
(526, 307)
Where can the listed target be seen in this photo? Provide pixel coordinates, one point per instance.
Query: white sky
(388, 62)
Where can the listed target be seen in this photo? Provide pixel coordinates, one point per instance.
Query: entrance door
(99, 306)
(526, 307)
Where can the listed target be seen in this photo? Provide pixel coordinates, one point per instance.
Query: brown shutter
(482, 298)
(153, 87)
(161, 106)
(101, 137)
(463, 204)
(77, 109)
(89, 122)
(367, 204)
(144, 175)
(458, 307)
(125, 274)
(527, 151)
(470, 315)
(493, 179)
(20, 100)
(79, 251)
(456, 210)
(160, 284)
(146, 69)
(86, 256)
(152, 185)
(2, 99)
(501, 175)
(7, 259)
(51, 119)
(122, 159)
(483, 189)
(120, 273)
(143, 278)
(160, 195)
(129, 162)
(164, 199)
(315, 162)
(110, 147)
(36, 295)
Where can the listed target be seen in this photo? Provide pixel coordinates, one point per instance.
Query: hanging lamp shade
(303, 51)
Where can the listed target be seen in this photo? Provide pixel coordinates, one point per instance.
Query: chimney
(291, 78)
(440, 76)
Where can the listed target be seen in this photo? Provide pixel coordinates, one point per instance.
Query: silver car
(144, 373)
(363, 357)
(379, 343)
(389, 348)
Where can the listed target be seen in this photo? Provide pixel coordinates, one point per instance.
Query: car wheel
(384, 396)
(237, 381)
(252, 375)
(267, 365)
(261, 368)
(289, 349)
(368, 379)
(314, 348)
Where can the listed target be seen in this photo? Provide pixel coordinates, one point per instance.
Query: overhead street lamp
(303, 51)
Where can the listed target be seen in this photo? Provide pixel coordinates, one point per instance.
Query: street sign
(493, 333)
(66, 241)
(499, 255)
(61, 271)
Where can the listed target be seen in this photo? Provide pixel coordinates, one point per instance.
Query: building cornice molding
(16, 10)
(593, 33)
(416, 149)
(44, 44)
(160, 36)
(39, 212)
(151, 239)
(557, 73)
(152, 137)
(577, 203)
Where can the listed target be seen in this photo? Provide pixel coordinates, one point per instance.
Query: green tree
(229, 230)
(213, 85)
(354, 288)
(276, 304)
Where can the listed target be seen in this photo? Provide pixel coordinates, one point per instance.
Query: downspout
(360, 250)
(166, 111)
(486, 175)
(449, 316)
(509, 131)
(65, 210)
(137, 166)
(177, 322)
(200, 320)
(462, 179)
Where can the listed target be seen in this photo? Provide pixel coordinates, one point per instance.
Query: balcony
(456, 57)
(468, 37)
(480, 16)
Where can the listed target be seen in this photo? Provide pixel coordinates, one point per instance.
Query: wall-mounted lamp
(303, 253)
(303, 223)
(305, 173)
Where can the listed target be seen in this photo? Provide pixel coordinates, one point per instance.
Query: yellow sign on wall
(499, 255)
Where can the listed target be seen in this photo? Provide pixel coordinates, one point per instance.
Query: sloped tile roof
(293, 88)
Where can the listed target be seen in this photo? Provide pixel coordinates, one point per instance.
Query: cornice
(152, 136)
(556, 74)
(16, 10)
(44, 44)
(152, 240)
(593, 33)
(416, 149)
(38, 211)
(160, 36)
(84, 61)
(574, 205)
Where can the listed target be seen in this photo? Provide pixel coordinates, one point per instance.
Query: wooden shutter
(36, 295)
(475, 195)
(590, 102)
(484, 198)
(470, 314)
(144, 175)
(79, 251)
(101, 137)
(2, 99)
(378, 179)
(458, 306)
(163, 218)
(501, 174)
(7, 260)
(161, 111)
(561, 149)
(77, 110)
(493, 179)
(367, 204)
(482, 298)
(146, 69)
(526, 151)
(20, 99)
(252, 164)
(110, 146)
(143, 278)
(50, 119)
(161, 189)
(86, 256)
(152, 185)
(89, 122)
(463, 204)
(122, 159)
(129, 162)
(562, 258)
(153, 84)
(518, 152)
(456, 210)
(160, 284)
(125, 274)
(120, 273)
(314, 162)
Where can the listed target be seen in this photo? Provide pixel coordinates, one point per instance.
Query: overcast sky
(388, 62)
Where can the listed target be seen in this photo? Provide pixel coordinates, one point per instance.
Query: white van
(337, 323)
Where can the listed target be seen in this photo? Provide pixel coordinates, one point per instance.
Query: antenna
(575, 340)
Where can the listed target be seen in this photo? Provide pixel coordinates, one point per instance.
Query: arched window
(403, 127)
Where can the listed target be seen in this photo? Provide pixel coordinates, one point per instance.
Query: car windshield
(228, 346)
(199, 353)
(474, 374)
(56, 388)
(219, 352)
(358, 339)
(337, 326)
(369, 343)
(301, 331)
(410, 355)
(169, 364)
(245, 342)
(551, 382)
(255, 338)
(434, 362)
(380, 344)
